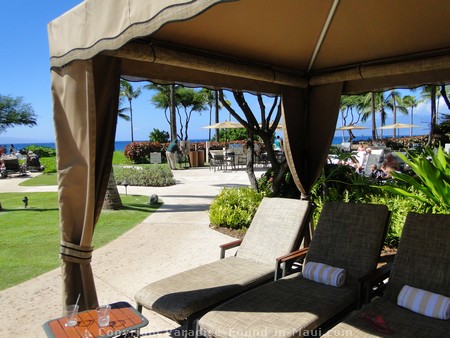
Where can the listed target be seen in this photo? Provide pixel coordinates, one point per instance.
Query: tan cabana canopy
(307, 51)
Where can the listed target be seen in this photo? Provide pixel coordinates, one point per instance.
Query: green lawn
(43, 179)
(29, 241)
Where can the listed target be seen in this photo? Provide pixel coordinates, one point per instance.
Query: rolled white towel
(424, 302)
(324, 274)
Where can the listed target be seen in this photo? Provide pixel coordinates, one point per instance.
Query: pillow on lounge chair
(324, 274)
(424, 302)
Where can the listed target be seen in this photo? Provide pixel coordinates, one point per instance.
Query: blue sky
(24, 60)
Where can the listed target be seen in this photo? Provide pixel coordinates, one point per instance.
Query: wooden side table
(123, 319)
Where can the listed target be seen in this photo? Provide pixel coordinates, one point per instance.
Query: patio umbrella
(225, 125)
(399, 126)
(349, 128)
(352, 127)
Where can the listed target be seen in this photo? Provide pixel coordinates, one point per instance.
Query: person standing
(171, 153)
(277, 144)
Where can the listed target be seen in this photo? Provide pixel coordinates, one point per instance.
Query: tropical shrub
(153, 176)
(288, 189)
(399, 207)
(139, 152)
(160, 136)
(49, 164)
(39, 151)
(234, 207)
(431, 182)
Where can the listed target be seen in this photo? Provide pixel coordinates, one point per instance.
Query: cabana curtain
(309, 120)
(85, 104)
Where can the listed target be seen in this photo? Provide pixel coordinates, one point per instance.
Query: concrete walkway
(175, 238)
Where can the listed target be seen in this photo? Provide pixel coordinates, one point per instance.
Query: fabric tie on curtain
(70, 252)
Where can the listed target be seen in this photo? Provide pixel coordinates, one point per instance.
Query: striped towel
(324, 274)
(424, 302)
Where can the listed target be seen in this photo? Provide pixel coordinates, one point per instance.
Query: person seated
(376, 173)
(33, 160)
(390, 164)
(2, 169)
(353, 163)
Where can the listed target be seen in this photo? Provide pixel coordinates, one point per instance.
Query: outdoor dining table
(123, 319)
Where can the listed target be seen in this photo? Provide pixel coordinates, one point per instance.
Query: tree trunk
(217, 115)
(112, 198)
(131, 122)
(374, 124)
(250, 159)
(173, 116)
(433, 113)
(279, 178)
(394, 112)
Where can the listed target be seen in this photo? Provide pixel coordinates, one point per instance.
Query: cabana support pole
(185, 59)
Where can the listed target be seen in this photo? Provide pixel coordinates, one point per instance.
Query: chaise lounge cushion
(279, 309)
(403, 322)
(178, 296)
(275, 231)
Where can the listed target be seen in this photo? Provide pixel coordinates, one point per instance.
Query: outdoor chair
(13, 166)
(274, 231)
(215, 159)
(348, 236)
(423, 262)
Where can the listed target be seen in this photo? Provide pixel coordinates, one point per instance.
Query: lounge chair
(274, 231)
(422, 261)
(347, 236)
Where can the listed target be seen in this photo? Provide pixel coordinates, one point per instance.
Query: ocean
(120, 145)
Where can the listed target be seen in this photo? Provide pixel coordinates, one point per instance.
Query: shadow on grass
(140, 207)
(29, 209)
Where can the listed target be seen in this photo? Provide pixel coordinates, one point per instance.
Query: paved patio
(175, 238)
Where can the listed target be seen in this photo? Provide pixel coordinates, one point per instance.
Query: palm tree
(381, 105)
(127, 91)
(190, 100)
(396, 103)
(211, 100)
(165, 99)
(348, 106)
(369, 110)
(186, 99)
(112, 199)
(410, 101)
(429, 94)
(15, 112)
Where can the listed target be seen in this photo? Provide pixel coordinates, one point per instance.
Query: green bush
(399, 207)
(49, 164)
(234, 207)
(39, 151)
(139, 152)
(288, 189)
(339, 183)
(153, 176)
(431, 180)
